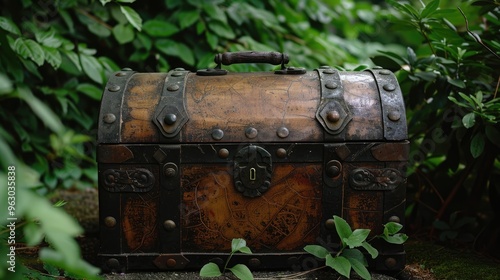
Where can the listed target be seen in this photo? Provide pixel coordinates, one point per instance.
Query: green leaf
(370, 249)
(241, 271)
(52, 56)
(237, 244)
(469, 120)
(398, 238)
(159, 28)
(46, 115)
(173, 48)
(360, 269)
(123, 33)
(210, 270)
(412, 57)
(132, 17)
(477, 145)
(456, 82)
(48, 38)
(342, 227)
(79, 267)
(33, 233)
(357, 237)
(386, 62)
(221, 29)
(90, 90)
(28, 48)
(317, 251)
(492, 134)
(212, 40)
(392, 228)
(9, 26)
(340, 264)
(430, 9)
(99, 30)
(354, 254)
(5, 84)
(188, 18)
(92, 68)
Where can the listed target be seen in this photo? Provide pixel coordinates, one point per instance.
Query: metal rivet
(292, 261)
(170, 172)
(251, 132)
(329, 71)
(126, 69)
(384, 72)
(330, 224)
(223, 153)
(110, 221)
(291, 68)
(177, 74)
(390, 262)
(389, 87)
(283, 132)
(333, 116)
(114, 88)
(173, 87)
(394, 219)
(281, 153)
(120, 74)
(109, 118)
(170, 119)
(331, 85)
(325, 67)
(171, 263)
(113, 263)
(333, 171)
(254, 262)
(394, 116)
(179, 69)
(377, 67)
(217, 134)
(169, 225)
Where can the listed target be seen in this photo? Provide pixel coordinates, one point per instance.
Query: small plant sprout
(349, 256)
(241, 271)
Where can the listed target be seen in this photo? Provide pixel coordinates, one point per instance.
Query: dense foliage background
(55, 57)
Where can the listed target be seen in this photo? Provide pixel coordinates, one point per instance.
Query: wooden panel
(140, 100)
(264, 101)
(285, 218)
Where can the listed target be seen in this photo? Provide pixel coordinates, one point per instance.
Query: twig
(496, 89)
(475, 36)
(94, 18)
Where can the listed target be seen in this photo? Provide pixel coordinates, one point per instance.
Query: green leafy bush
(241, 271)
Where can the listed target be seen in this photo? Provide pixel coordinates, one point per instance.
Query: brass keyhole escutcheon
(253, 174)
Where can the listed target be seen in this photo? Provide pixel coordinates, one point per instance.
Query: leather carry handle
(274, 58)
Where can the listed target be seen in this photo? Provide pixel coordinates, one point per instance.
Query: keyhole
(253, 174)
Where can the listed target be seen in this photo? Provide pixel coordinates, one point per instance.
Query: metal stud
(325, 67)
(173, 87)
(394, 219)
(109, 118)
(333, 116)
(120, 74)
(330, 224)
(254, 262)
(169, 225)
(251, 132)
(389, 87)
(113, 263)
(177, 74)
(171, 263)
(329, 71)
(114, 88)
(331, 85)
(170, 119)
(180, 69)
(126, 69)
(110, 221)
(384, 72)
(283, 132)
(223, 153)
(170, 172)
(394, 116)
(390, 262)
(217, 134)
(377, 67)
(281, 153)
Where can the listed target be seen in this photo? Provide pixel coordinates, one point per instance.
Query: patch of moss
(448, 263)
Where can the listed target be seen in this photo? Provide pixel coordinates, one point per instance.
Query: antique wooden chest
(190, 160)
